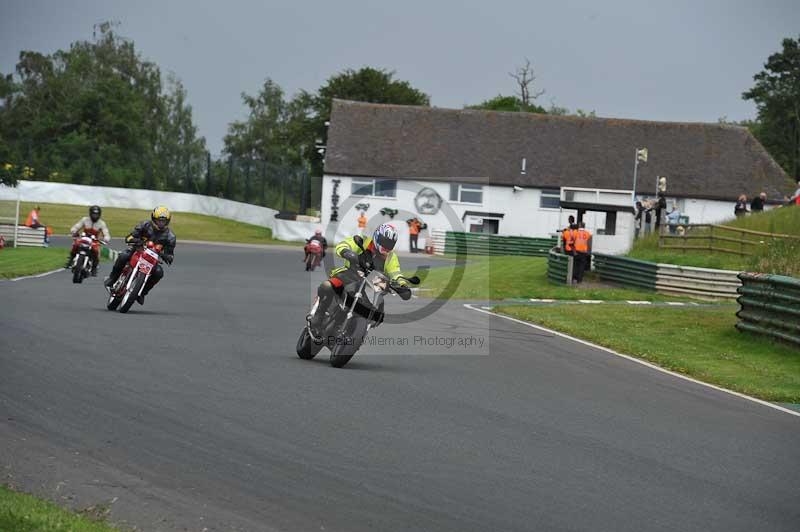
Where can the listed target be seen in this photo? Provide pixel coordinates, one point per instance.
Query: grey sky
(677, 60)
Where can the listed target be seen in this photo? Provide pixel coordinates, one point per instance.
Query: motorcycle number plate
(145, 266)
(152, 254)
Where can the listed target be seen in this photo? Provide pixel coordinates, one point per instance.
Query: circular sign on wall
(427, 201)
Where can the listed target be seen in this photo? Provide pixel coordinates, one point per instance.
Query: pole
(16, 216)
(208, 174)
(264, 183)
(635, 172)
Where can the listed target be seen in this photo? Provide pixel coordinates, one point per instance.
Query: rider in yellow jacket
(375, 252)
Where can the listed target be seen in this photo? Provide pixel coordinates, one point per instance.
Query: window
(550, 199)
(466, 193)
(374, 187)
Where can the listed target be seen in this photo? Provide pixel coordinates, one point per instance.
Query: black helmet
(95, 212)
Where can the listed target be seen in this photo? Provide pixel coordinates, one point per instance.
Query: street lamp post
(640, 155)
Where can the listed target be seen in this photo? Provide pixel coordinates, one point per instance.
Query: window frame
(550, 193)
(373, 184)
(460, 188)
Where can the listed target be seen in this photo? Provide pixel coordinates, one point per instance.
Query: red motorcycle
(86, 247)
(131, 281)
(313, 255)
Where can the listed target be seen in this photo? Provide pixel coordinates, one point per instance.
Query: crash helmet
(384, 238)
(94, 213)
(161, 217)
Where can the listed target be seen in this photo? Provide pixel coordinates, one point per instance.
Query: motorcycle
(313, 255)
(134, 276)
(83, 262)
(346, 324)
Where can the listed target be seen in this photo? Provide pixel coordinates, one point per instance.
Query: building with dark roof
(519, 165)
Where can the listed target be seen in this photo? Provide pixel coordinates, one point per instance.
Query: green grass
(187, 226)
(28, 261)
(24, 513)
(699, 342)
(519, 277)
(781, 258)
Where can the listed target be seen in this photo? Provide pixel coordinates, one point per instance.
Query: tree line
(101, 114)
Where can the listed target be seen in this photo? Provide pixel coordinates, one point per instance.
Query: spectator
(583, 252)
(741, 206)
(637, 221)
(796, 197)
(648, 217)
(673, 219)
(661, 206)
(34, 223)
(757, 205)
(414, 226)
(362, 223)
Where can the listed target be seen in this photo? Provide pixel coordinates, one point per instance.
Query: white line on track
(45, 274)
(639, 302)
(590, 300)
(638, 361)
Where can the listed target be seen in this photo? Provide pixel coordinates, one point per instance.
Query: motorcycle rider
(157, 231)
(322, 242)
(91, 225)
(376, 253)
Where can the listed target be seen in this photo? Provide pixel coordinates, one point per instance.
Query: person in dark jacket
(740, 209)
(155, 230)
(757, 205)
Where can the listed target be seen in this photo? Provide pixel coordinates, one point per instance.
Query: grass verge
(24, 513)
(699, 342)
(29, 261)
(187, 226)
(519, 277)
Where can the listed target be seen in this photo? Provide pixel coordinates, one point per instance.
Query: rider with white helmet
(376, 251)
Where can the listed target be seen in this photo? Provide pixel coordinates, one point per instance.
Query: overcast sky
(679, 60)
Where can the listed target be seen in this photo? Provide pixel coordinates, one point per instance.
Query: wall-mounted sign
(335, 201)
(427, 201)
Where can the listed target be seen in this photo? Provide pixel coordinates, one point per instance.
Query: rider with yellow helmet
(155, 230)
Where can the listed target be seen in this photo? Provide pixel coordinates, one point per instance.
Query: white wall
(131, 198)
(294, 231)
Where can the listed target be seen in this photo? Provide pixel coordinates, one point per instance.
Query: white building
(523, 174)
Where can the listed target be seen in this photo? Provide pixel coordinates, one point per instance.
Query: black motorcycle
(347, 322)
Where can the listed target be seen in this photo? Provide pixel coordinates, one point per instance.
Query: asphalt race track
(194, 413)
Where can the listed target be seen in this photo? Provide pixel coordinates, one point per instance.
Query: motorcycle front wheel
(130, 296)
(307, 348)
(348, 342)
(77, 270)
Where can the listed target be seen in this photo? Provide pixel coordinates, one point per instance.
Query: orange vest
(569, 239)
(413, 228)
(362, 222)
(33, 217)
(582, 238)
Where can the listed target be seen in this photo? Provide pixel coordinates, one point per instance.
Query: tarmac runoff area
(193, 412)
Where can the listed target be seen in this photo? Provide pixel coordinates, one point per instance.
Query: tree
(508, 103)
(524, 76)
(776, 94)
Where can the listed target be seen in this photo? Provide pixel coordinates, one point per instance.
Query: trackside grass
(699, 342)
(187, 226)
(29, 261)
(510, 277)
(23, 513)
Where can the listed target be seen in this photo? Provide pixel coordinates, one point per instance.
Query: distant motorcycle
(134, 276)
(83, 262)
(313, 255)
(348, 321)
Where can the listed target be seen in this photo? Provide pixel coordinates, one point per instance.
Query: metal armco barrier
(25, 235)
(483, 244)
(559, 267)
(625, 271)
(770, 305)
(667, 278)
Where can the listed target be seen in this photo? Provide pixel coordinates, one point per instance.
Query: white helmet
(384, 238)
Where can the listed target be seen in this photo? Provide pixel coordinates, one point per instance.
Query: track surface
(193, 412)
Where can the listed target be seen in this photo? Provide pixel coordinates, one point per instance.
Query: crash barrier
(559, 266)
(132, 198)
(25, 236)
(770, 305)
(109, 253)
(667, 278)
(294, 230)
(483, 244)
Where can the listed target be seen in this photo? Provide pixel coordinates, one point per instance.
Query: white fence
(132, 198)
(690, 281)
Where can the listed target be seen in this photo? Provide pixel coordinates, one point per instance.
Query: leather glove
(350, 256)
(404, 292)
(168, 258)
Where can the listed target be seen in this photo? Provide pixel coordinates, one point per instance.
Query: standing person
(796, 197)
(414, 226)
(740, 209)
(648, 216)
(362, 223)
(583, 252)
(91, 225)
(638, 219)
(156, 230)
(661, 207)
(757, 205)
(568, 237)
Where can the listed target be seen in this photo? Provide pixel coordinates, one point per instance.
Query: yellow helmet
(161, 217)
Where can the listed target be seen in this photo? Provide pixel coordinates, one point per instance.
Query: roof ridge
(536, 116)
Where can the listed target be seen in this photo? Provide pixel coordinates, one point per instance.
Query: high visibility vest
(413, 228)
(33, 218)
(362, 222)
(569, 239)
(582, 238)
